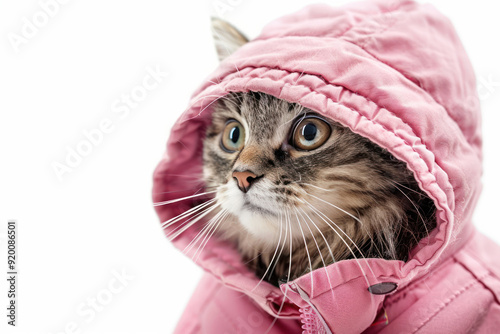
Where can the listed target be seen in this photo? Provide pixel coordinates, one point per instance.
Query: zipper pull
(312, 321)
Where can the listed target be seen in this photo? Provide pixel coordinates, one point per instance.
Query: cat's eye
(233, 137)
(310, 133)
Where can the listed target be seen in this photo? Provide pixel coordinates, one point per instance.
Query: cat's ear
(226, 37)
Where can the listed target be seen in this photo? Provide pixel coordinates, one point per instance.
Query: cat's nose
(245, 179)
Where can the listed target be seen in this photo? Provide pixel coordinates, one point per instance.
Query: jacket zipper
(312, 322)
(309, 321)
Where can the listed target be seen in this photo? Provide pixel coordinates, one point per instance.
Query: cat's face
(295, 191)
(279, 167)
(260, 161)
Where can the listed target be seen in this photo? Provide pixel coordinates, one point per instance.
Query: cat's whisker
(183, 198)
(197, 100)
(287, 221)
(195, 239)
(193, 212)
(213, 82)
(408, 188)
(194, 221)
(306, 247)
(210, 233)
(299, 110)
(318, 212)
(416, 209)
(195, 176)
(229, 98)
(282, 247)
(291, 249)
(187, 213)
(205, 108)
(353, 254)
(202, 110)
(274, 255)
(317, 187)
(322, 235)
(333, 205)
(204, 231)
(221, 220)
(321, 215)
(198, 188)
(187, 222)
(300, 76)
(319, 250)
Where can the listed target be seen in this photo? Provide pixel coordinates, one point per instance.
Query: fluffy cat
(302, 191)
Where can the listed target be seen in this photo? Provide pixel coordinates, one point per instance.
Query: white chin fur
(263, 227)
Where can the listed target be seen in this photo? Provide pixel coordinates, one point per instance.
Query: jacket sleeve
(215, 308)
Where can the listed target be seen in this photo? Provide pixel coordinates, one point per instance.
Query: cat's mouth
(262, 215)
(257, 209)
(253, 203)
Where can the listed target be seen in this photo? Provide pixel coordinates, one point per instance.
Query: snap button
(382, 288)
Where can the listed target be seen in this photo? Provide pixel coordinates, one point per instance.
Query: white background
(74, 233)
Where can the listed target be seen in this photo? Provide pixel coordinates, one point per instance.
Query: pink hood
(396, 73)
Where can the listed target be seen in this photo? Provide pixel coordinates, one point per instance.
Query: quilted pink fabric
(396, 73)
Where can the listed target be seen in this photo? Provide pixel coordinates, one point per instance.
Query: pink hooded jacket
(396, 73)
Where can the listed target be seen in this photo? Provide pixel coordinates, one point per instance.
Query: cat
(303, 191)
